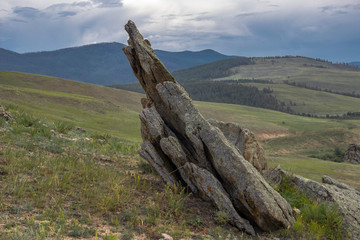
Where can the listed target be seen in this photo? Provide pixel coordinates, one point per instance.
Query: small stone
(166, 237)
(296, 210)
(104, 158)
(79, 129)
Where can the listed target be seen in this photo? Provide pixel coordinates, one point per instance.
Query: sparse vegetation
(70, 184)
(337, 155)
(317, 220)
(44, 161)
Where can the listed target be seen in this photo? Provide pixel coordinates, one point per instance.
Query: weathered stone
(183, 146)
(245, 142)
(163, 168)
(80, 129)
(211, 189)
(166, 237)
(352, 154)
(4, 114)
(345, 197)
(251, 194)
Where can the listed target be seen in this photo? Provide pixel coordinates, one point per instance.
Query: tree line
(316, 88)
(235, 93)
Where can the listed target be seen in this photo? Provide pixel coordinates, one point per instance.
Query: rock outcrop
(245, 141)
(346, 198)
(352, 154)
(184, 147)
(4, 114)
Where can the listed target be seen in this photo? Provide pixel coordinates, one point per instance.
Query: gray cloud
(248, 28)
(66, 14)
(27, 12)
(109, 3)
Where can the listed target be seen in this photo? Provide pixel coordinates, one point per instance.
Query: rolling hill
(297, 85)
(102, 64)
(288, 139)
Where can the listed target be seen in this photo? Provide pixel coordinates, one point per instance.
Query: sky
(326, 29)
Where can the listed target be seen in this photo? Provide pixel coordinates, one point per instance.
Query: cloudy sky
(327, 29)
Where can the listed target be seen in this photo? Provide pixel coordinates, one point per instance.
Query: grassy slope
(331, 76)
(287, 139)
(89, 106)
(314, 73)
(311, 101)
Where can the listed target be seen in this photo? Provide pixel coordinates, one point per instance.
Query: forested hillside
(297, 85)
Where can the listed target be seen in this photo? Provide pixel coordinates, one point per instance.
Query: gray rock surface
(184, 147)
(4, 114)
(346, 197)
(245, 141)
(352, 154)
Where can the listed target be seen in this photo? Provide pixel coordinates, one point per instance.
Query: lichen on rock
(185, 147)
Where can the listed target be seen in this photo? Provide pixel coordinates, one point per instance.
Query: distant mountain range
(355, 63)
(103, 63)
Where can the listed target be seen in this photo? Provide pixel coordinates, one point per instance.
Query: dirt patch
(264, 136)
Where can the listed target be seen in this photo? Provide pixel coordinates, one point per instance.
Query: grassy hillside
(301, 85)
(89, 106)
(45, 160)
(115, 112)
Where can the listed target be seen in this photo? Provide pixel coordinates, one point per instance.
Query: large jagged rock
(184, 147)
(346, 198)
(352, 154)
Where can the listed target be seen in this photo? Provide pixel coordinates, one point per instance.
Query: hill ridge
(101, 63)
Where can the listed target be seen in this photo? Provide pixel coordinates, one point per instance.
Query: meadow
(60, 182)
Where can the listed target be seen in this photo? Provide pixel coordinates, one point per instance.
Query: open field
(58, 182)
(115, 112)
(303, 100)
(325, 75)
(89, 106)
(288, 79)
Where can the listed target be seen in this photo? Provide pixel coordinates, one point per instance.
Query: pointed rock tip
(130, 26)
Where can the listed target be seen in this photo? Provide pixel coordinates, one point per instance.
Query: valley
(287, 139)
(67, 135)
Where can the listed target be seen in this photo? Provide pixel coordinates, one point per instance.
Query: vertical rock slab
(196, 152)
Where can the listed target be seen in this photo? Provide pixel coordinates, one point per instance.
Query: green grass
(313, 73)
(46, 161)
(89, 106)
(311, 101)
(317, 220)
(115, 112)
(315, 168)
(330, 76)
(57, 182)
